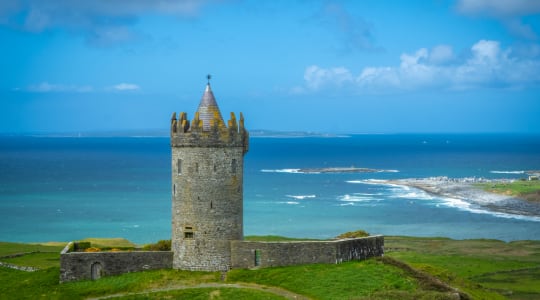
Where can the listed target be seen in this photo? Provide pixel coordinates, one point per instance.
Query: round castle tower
(207, 186)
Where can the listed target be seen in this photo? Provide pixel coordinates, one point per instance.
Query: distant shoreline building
(207, 164)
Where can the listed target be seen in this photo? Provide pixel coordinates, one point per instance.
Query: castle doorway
(96, 271)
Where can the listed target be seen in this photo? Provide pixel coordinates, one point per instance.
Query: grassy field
(529, 190)
(413, 268)
(510, 269)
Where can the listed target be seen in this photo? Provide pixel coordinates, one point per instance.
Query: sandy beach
(465, 189)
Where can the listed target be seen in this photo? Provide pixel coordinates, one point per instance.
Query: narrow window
(196, 167)
(188, 232)
(257, 257)
(179, 166)
(174, 189)
(211, 205)
(215, 168)
(233, 166)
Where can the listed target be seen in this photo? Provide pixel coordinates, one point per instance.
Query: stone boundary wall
(245, 254)
(93, 265)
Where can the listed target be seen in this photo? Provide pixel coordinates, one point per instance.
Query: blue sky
(328, 66)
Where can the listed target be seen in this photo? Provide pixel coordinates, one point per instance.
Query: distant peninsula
(344, 170)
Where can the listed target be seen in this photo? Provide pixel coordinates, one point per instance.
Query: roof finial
(208, 77)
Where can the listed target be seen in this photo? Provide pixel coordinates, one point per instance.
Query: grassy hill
(413, 268)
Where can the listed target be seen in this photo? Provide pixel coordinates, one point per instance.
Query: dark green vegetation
(31, 255)
(353, 234)
(485, 269)
(413, 268)
(163, 245)
(273, 238)
(528, 190)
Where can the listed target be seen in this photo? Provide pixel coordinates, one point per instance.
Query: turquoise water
(71, 188)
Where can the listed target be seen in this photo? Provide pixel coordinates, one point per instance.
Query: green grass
(485, 269)
(7, 248)
(273, 238)
(41, 260)
(527, 189)
(524, 282)
(342, 281)
(109, 242)
(207, 293)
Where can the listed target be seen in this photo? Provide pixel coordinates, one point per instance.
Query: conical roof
(208, 108)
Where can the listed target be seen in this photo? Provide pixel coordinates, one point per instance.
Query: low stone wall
(93, 265)
(245, 254)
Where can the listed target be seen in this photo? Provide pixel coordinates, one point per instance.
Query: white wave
(301, 197)
(293, 171)
(469, 207)
(355, 198)
(507, 172)
(402, 191)
(347, 204)
(314, 171)
(415, 194)
(290, 202)
(377, 182)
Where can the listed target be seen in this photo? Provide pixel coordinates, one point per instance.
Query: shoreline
(464, 189)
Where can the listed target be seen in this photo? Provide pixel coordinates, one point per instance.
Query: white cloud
(354, 32)
(317, 78)
(441, 54)
(46, 87)
(499, 7)
(126, 87)
(488, 65)
(102, 22)
(508, 12)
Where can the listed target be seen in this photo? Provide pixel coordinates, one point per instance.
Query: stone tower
(207, 186)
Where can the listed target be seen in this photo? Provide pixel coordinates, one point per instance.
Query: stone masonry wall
(245, 254)
(83, 265)
(206, 206)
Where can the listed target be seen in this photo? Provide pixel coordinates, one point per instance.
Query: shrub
(81, 246)
(353, 234)
(163, 245)
(92, 249)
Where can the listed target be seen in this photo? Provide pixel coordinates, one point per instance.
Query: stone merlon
(207, 129)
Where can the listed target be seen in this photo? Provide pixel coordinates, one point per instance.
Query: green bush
(81, 246)
(353, 234)
(163, 245)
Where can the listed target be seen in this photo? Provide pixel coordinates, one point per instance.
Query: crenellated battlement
(186, 133)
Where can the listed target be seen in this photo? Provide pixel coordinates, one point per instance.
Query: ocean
(69, 188)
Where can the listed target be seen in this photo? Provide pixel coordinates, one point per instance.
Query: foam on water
(290, 202)
(292, 171)
(507, 172)
(301, 197)
(406, 192)
(469, 207)
(356, 197)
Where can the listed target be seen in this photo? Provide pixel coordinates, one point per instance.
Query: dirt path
(269, 289)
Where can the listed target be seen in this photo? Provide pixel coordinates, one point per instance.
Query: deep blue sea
(61, 189)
